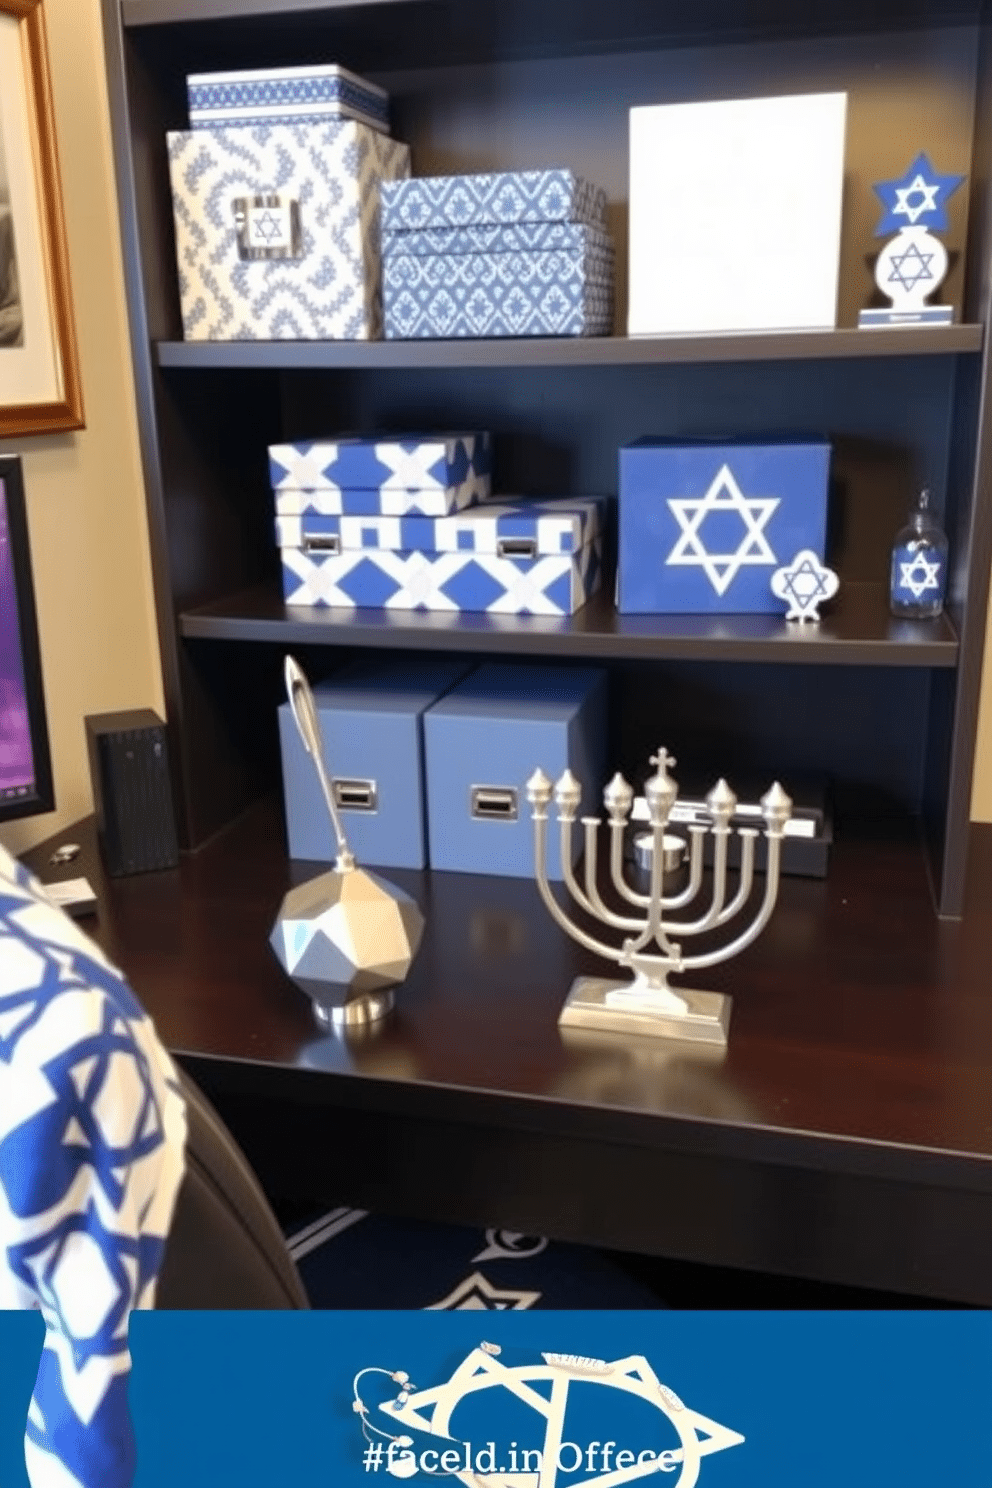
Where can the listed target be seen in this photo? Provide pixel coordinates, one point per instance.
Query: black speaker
(132, 791)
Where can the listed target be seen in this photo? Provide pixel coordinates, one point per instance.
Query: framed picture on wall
(39, 367)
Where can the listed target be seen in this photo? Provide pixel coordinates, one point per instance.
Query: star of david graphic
(924, 196)
(724, 495)
(431, 1411)
(476, 1294)
(919, 195)
(268, 226)
(919, 576)
(804, 584)
(903, 272)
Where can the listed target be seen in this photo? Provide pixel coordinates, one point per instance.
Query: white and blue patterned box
(501, 558)
(704, 526)
(503, 197)
(495, 237)
(277, 230)
(560, 293)
(284, 95)
(427, 474)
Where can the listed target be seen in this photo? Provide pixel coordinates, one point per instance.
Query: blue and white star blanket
(92, 1136)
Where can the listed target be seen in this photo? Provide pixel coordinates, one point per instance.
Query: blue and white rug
(349, 1258)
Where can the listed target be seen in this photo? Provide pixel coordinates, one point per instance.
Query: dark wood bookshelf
(482, 85)
(860, 631)
(605, 351)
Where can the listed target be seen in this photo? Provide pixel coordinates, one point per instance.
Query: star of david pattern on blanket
(333, 171)
(446, 582)
(563, 293)
(92, 1133)
(500, 197)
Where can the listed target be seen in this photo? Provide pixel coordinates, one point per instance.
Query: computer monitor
(25, 759)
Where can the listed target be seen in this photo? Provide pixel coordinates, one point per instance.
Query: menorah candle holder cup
(653, 938)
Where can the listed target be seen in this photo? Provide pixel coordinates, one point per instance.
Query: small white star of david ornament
(804, 584)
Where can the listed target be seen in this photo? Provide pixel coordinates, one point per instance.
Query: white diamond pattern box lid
(277, 230)
(534, 558)
(427, 474)
(284, 95)
(503, 197)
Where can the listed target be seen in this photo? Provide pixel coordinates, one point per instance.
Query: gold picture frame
(40, 389)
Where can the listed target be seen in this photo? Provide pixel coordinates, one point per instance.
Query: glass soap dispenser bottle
(918, 579)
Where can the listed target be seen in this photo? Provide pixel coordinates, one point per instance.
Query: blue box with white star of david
(704, 525)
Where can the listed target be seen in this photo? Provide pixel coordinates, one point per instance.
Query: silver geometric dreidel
(347, 936)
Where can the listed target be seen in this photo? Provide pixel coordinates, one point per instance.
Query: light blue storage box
(704, 525)
(482, 744)
(371, 716)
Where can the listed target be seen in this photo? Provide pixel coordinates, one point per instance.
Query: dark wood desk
(846, 1136)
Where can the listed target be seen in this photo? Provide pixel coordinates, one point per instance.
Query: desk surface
(846, 1134)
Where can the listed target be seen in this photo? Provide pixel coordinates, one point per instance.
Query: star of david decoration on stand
(804, 584)
(913, 265)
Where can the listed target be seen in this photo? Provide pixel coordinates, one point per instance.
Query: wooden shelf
(605, 351)
(372, 33)
(860, 632)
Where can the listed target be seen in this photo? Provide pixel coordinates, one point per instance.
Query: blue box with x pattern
(703, 525)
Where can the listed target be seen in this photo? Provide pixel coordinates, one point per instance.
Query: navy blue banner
(544, 1400)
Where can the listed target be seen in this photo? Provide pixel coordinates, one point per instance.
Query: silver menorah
(653, 947)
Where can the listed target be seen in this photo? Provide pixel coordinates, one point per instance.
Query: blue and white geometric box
(502, 197)
(277, 230)
(564, 292)
(483, 742)
(735, 214)
(371, 718)
(526, 558)
(430, 474)
(704, 526)
(504, 526)
(497, 237)
(284, 95)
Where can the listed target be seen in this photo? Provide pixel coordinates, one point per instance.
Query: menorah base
(705, 1020)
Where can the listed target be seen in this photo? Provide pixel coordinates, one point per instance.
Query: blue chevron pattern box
(284, 95)
(704, 526)
(426, 474)
(277, 229)
(501, 558)
(516, 254)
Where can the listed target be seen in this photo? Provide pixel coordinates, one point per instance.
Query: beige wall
(84, 492)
